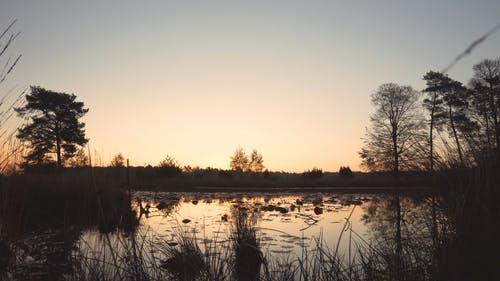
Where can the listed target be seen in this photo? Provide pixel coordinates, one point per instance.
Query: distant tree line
(314, 173)
(168, 167)
(447, 125)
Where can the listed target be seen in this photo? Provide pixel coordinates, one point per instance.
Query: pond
(308, 233)
(286, 223)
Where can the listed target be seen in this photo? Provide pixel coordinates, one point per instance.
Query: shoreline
(249, 189)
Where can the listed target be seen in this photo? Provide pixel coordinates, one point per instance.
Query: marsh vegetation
(242, 235)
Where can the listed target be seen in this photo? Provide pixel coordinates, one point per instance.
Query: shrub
(185, 260)
(345, 172)
(45, 168)
(225, 174)
(168, 167)
(248, 257)
(312, 174)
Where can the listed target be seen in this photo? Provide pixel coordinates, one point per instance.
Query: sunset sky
(198, 79)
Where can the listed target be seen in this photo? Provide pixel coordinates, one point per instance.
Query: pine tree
(54, 126)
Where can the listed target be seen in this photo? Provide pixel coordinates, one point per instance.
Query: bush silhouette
(345, 172)
(313, 174)
(168, 167)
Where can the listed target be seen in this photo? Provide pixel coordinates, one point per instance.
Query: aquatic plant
(185, 260)
(248, 257)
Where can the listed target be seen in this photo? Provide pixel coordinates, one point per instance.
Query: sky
(198, 79)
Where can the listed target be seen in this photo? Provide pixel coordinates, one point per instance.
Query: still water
(361, 233)
(287, 224)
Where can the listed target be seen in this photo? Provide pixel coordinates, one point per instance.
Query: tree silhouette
(313, 173)
(80, 159)
(447, 104)
(169, 167)
(394, 139)
(54, 125)
(486, 100)
(239, 160)
(117, 161)
(455, 99)
(169, 161)
(256, 162)
(433, 105)
(345, 172)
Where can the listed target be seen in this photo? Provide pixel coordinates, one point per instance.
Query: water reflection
(403, 231)
(286, 223)
(247, 236)
(40, 228)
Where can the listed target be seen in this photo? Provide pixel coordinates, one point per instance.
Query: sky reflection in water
(279, 232)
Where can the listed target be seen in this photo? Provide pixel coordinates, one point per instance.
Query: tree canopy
(117, 161)
(447, 103)
(256, 163)
(486, 103)
(241, 162)
(169, 167)
(54, 126)
(394, 139)
(466, 118)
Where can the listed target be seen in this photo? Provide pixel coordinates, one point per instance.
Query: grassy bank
(35, 202)
(42, 216)
(470, 201)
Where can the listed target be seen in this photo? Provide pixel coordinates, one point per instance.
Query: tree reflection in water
(405, 231)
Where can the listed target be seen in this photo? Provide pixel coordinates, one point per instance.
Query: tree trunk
(396, 153)
(58, 147)
(456, 137)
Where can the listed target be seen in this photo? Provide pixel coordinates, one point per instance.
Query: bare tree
(117, 161)
(486, 100)
(256, 162)
(395, 139)
(80, 159)
(239, 160)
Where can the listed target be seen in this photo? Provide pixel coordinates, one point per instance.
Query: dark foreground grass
(471, 202)
(34, 203)
(41, 217)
